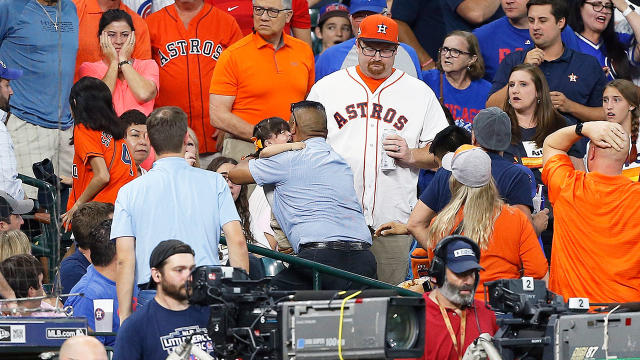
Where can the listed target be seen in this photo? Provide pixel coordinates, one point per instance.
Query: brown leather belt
(336, 245)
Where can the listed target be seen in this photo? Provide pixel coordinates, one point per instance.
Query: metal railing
(317, 268)
(47, 244)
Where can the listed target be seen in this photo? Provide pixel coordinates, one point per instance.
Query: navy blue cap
(9, 74)
(376, 6)
(461, 257)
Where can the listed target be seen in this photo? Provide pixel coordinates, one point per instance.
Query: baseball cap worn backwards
(470, 165)
(166, 249)
(333, 10)
(376, 6)
(492, 129)
(378, 28)
(9, 74)
(461, 257)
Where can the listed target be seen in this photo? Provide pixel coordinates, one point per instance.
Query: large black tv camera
(249, 320)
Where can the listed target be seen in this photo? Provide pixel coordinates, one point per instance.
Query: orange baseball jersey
(186, 58)
(89, 14)
(242, 11)
(89, 143)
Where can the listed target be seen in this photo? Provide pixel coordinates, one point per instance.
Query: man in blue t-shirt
(508, 34)
(74, 266)
(98, 284)
(492, 132)
(468, 14)
(40, 37)
(576, 80)
(344, 55)
(421, 27)
(165, 322)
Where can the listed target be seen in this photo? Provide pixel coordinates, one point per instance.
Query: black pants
(360, 262)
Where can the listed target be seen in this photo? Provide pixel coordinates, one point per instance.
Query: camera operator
(595, 242)
(164, 323)
(314, 199)
(453, 318)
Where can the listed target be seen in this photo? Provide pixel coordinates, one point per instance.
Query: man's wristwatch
(630, 9)
(130, 62)
(579, 128)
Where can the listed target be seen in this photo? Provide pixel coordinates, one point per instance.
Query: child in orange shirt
(102, 162)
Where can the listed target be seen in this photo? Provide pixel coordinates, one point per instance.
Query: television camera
(249, 320)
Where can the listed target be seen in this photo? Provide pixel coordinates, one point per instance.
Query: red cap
(378, 28)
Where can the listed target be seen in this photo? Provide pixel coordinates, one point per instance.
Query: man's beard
(4, 105)
(177, 292)
(452, 293)
(376, 71)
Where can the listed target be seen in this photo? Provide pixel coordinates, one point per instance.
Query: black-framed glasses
(453, 51)
(384, 53)
(273, 13)
(598, 6)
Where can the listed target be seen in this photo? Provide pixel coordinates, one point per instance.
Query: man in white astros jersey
(365, 104)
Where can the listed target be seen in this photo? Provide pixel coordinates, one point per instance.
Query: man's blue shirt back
(314, 198)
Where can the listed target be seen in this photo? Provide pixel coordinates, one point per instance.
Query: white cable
(605, 344)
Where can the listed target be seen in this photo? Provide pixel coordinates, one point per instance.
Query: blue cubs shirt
(463, 104)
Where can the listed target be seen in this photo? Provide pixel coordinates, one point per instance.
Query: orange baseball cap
(378, 28)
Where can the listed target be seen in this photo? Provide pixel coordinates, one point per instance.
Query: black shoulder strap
(458, 230)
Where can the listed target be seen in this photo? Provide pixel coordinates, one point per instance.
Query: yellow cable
(344, 301)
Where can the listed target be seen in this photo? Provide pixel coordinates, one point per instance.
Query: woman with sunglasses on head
(457, 80)
(592, 21)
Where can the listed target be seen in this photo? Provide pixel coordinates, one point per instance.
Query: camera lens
(402, 327)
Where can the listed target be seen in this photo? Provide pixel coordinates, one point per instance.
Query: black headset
(438, 265)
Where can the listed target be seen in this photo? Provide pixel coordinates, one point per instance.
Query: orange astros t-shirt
(596, 239)
(264, 81)
(89, 143)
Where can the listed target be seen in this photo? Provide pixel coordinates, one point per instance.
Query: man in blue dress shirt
(314, 202)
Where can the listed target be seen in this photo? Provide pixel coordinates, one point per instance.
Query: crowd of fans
(465, 140)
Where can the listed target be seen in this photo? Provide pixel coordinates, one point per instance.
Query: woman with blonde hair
(13, 242)
(509, 246)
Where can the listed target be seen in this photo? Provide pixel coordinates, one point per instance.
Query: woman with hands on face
(133, 82)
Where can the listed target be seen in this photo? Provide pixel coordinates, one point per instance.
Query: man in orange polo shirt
(595, 240)
(89, 14)
(259, 77)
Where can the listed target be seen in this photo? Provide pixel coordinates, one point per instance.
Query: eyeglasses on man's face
(273, 13)
(371, 52)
